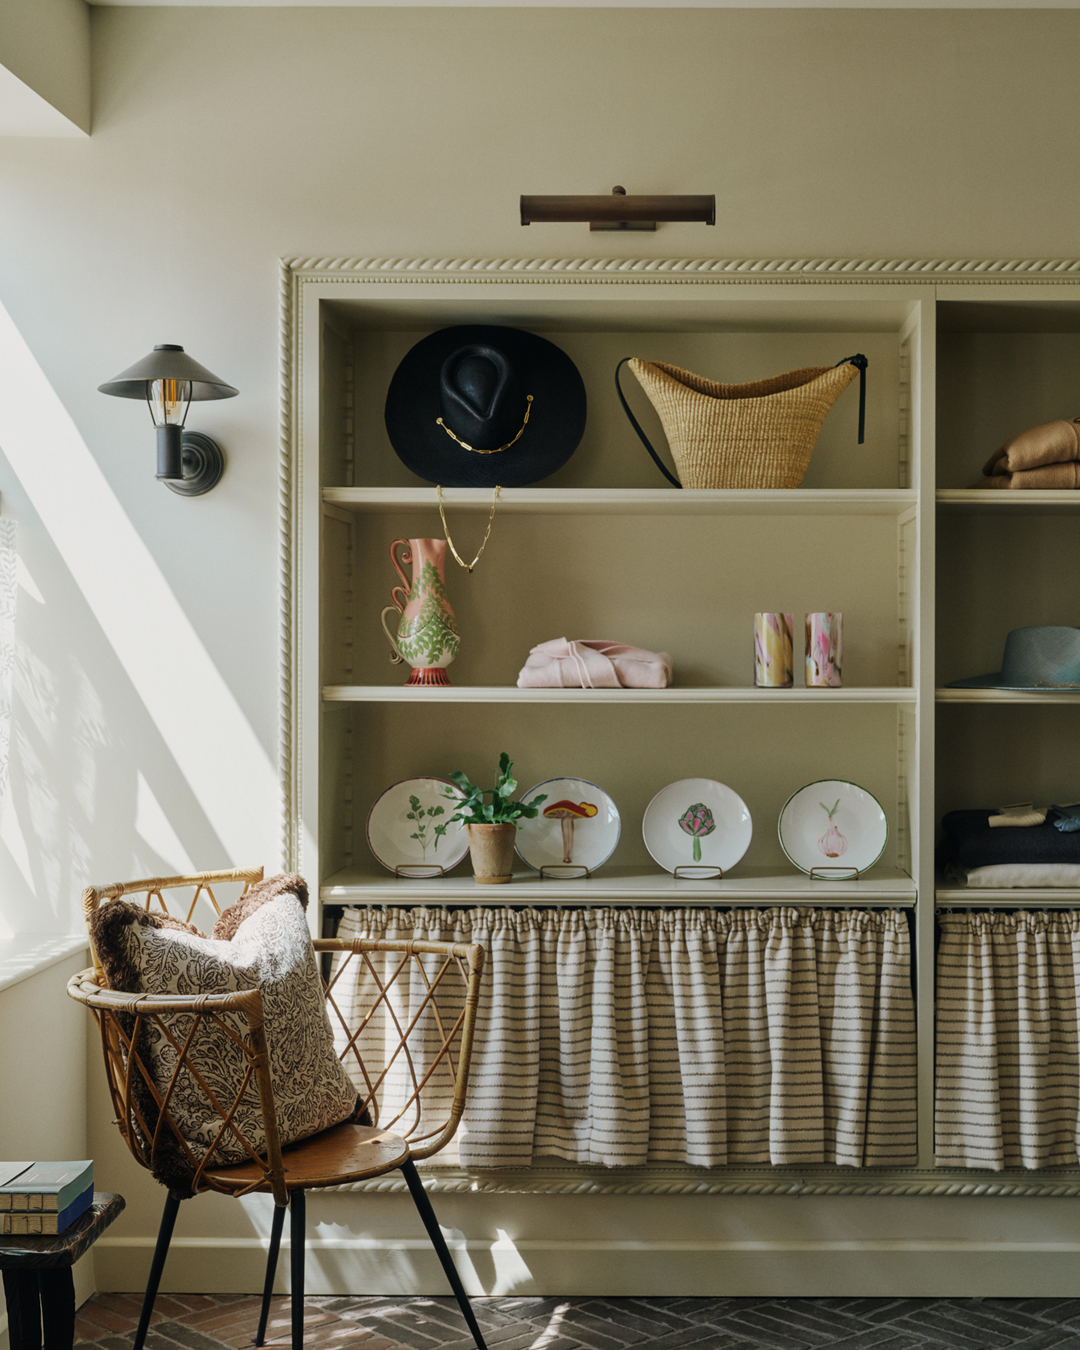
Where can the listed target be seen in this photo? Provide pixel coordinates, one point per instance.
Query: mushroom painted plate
(697, 826)
(833, 829)
(578, 826)
(408, 830)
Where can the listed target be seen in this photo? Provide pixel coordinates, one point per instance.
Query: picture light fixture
(618, 212)
(170, 381)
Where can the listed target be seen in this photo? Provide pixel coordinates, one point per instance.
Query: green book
(44, 1186)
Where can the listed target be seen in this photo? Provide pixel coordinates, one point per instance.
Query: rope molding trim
(968, 267)
(455, 1181)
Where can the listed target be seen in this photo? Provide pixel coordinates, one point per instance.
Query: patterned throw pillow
(261, 942)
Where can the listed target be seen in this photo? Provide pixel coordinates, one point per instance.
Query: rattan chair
(425, 1051)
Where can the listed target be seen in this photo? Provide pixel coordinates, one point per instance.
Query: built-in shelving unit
(929, 572)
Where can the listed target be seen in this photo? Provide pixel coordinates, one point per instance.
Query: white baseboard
(909, 1267)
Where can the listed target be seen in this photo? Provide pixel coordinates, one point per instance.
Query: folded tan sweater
(1048, 476)
(1050, 443)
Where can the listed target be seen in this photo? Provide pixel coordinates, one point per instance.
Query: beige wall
(45, 44)
(223, 139)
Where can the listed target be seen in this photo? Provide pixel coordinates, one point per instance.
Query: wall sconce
(170, 381)
(618, 212)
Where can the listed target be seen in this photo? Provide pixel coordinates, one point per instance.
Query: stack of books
(43, 1197)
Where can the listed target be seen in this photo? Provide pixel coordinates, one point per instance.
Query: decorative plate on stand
(833, 829)
(697, 827)
(407, 829)
(576, 831)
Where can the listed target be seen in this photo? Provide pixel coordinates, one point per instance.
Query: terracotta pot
(492, 850)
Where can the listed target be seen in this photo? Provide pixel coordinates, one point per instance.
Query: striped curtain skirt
(624, 1037)
(1008, 1060)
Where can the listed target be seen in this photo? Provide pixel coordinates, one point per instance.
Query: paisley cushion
(266, 946)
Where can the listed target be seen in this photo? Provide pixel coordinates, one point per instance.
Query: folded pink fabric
(560, 664)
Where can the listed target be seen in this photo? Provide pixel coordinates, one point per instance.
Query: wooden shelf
(1049, 696)
(622, 886)
(1028, 897)
(398, 693)
(987, 501)
(634, 501)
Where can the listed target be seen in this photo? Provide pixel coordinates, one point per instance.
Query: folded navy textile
(970, 842)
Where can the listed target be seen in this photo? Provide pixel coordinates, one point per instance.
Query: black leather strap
(635, 424)
(860, 363)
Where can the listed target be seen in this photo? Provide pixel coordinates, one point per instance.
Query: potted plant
(492, 824)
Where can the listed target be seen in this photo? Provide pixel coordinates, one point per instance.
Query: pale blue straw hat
(1046, 657)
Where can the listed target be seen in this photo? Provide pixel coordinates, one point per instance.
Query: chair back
(153, 889)
(403, 1014)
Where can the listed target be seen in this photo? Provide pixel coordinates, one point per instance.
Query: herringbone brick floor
(212, 1322)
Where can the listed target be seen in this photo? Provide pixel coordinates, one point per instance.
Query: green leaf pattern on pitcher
(432, 634)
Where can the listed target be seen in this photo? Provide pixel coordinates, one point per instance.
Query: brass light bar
(618, 212)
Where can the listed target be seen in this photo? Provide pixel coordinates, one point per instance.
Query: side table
(38, 1286)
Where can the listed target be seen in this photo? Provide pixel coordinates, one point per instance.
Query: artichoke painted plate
(833, 827)
(697, 825)
(408, 828)
(578, 826)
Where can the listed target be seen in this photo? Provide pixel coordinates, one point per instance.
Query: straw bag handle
(860, 363)
(637, 427)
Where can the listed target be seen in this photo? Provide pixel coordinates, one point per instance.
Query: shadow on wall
(130, 756)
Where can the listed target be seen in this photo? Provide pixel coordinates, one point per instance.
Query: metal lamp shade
(168, 362)
(168, 365)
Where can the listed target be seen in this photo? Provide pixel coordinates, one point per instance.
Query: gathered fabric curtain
(624, 1037)
(1007, 1063)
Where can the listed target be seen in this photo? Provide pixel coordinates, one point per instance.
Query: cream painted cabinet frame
(961, 353)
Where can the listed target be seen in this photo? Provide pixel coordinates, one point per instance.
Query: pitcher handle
(396, 657)
(406, 559)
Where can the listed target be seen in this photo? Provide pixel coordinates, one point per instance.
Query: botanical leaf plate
(697, 825)
(577, 826)
(834, 827)
(407, 828)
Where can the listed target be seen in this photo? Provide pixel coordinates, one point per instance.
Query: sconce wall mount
(169, 381)
(619, 211)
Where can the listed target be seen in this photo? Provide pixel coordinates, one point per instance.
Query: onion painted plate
(577, 826)
(697, 825)
(834, 827)
(403, 825)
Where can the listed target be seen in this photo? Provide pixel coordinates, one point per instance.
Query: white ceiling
(612, 4)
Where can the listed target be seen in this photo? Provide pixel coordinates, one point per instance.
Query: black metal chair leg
(271, 1271)
(164, 1237)
(442, 1251)
(296, 1264)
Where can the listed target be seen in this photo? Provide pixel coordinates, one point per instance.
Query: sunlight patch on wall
(511, 1272)
(15, 842)
(153, 827)
(193, 709)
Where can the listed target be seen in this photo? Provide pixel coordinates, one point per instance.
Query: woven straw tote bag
(757, 435)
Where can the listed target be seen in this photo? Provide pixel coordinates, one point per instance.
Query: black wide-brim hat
(478, 378)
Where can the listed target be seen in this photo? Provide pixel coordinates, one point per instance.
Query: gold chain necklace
(446, 528)
(498, 449)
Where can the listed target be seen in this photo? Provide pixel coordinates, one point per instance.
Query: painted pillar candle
(824, 650)
(774, 667)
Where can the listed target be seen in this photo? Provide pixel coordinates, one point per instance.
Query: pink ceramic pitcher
(427, 636)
